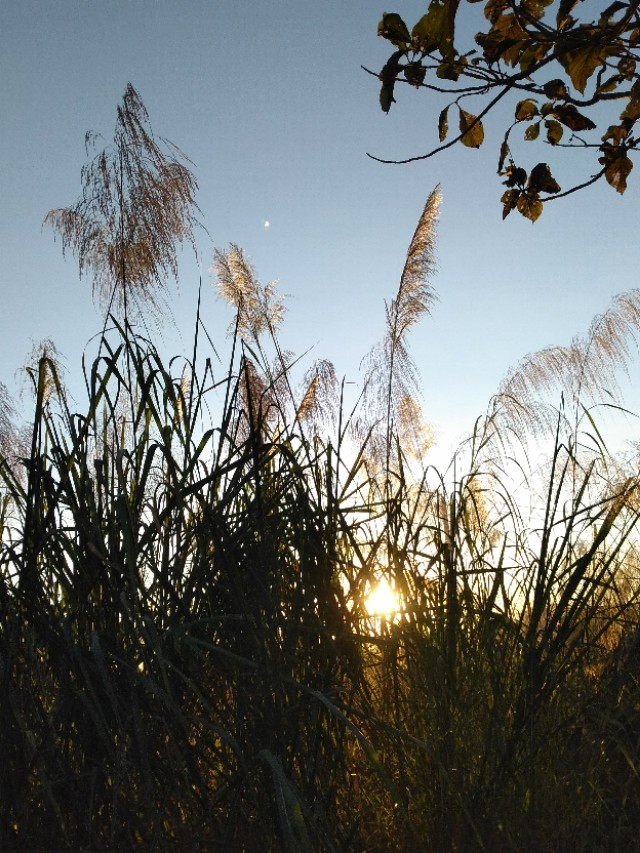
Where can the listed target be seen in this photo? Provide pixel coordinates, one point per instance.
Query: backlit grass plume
(258, 307)
(391, 374)
(137, 204)
(586, 370)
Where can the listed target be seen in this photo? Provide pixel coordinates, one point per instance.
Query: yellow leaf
(581, 63)
(529, 206)
(471, 129)
(526, 110)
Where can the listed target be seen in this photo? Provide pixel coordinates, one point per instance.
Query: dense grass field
(188, 659)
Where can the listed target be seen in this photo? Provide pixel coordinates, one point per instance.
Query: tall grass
(186, 656)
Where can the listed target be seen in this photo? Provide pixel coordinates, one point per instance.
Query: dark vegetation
(187, 661)
(562, 69)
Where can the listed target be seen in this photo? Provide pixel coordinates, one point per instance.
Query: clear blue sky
(269, 101)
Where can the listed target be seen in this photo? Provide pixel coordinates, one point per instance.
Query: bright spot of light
(382, 600)
(266, 223)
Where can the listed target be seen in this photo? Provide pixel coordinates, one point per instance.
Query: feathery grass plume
(182, 392)
(7, 420)
(391, 374)
(586, 370)
(417, 435)
(138, 202)
(44, 363)
(258, 307)
(320, 399)
(255, 403)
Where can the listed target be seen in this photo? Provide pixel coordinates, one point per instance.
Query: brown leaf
(526, 110)
(532, 132)
(541, 180)
(554, 131)
(509, 200)
(504, 153)
(443, 124)
(618, 171)
(435, 30)
(555, 89)
(414, 73)
(569, 116)
(564, 11)
(394, 29)
(388, 76)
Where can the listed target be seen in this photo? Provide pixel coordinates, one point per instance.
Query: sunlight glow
(382, 600)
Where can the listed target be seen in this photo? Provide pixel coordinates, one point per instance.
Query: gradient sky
(269, 101)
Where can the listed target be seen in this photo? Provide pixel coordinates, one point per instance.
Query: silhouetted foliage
(569, 76)
(187, 660)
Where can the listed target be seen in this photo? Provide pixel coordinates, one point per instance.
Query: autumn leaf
(529, 206)
(415, 74)
(504, 42)
(388, 76)
(435, 30)
(564, 11)
(610, 84)
(448, 70)
(509, 200)
(472, 134)
(541, 179)
(610, 11)
(443, 124)
(627, 67)
(617, 133)
(554, 131)
(532, 132)
(526, 110)
(386, 98)
(581, 63)
(504, 153)
(618, 171)
(394, 29)
(570, 117)
(516, 176)
(631, 112)
(555, 89)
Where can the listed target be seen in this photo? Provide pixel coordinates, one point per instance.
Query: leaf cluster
(572, 75)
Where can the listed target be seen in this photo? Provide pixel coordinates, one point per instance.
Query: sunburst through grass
(383, 601)
(322, 646)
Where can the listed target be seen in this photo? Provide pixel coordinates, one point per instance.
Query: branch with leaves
(572, 76)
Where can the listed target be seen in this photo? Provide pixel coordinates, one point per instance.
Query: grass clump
(186, 655)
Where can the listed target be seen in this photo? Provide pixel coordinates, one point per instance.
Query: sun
(382, 600)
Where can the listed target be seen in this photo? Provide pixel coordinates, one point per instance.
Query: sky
(270, 102)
